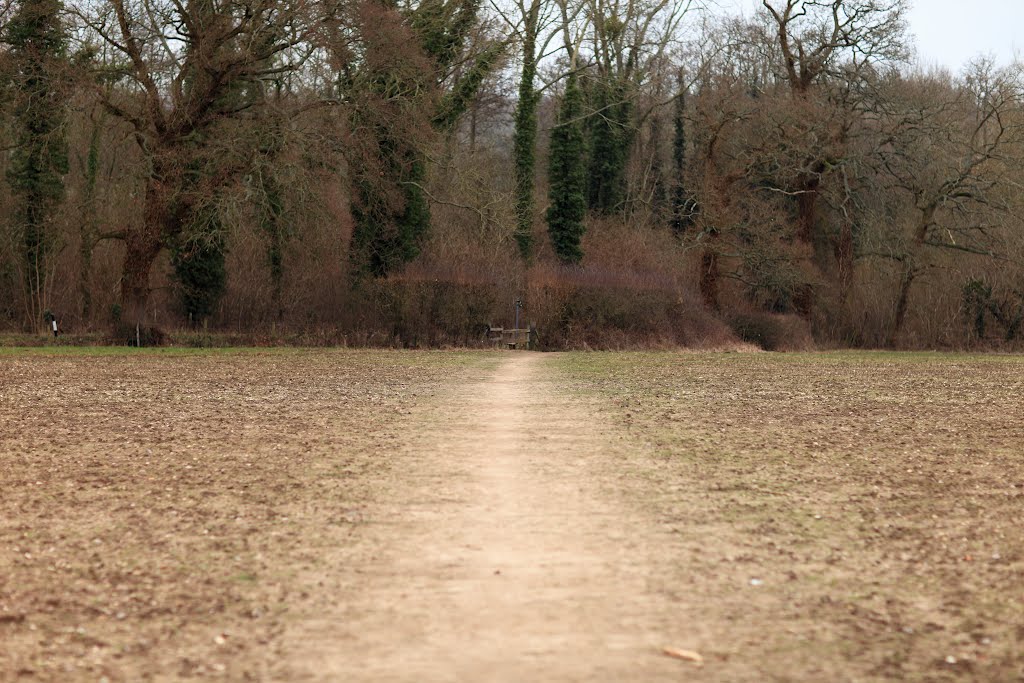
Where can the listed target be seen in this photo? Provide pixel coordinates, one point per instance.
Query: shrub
(772, 331)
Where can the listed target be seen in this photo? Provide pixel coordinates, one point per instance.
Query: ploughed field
(877, 498)
(379, 515)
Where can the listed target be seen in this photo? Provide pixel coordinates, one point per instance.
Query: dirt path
(503, 553)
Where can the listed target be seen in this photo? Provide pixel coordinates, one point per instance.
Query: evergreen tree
(568, 184)
(39, 160)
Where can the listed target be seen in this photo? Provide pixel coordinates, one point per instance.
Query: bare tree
(817, 37)
(824, 48)
(953, 150)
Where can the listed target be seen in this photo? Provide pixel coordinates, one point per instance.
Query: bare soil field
(840, 516)
(441, 516)
(159, 509)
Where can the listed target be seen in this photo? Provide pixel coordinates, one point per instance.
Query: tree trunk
(709, 278)
(911, 270)
(807, 211)
(90, 222)
(901, 305)
(276, 254)
(142, 246)
(141, 249)
(844, 259)
(682, 207)
(85, 276)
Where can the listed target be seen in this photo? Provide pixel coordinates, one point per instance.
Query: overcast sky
(950, 32)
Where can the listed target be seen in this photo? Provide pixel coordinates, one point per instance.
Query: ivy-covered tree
(524, 140)
(391, 213)
(611, 132)
(198, 252)
(271, 215)
(198, 259)
(391, 92)
(89, 228)
(419, 63)
(195, 72)
(568, 183)
(683, 206)
(629, 42)
(39, 160)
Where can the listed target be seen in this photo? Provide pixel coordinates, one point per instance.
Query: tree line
(639, 171)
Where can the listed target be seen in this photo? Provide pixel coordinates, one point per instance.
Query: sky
(951, 32)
